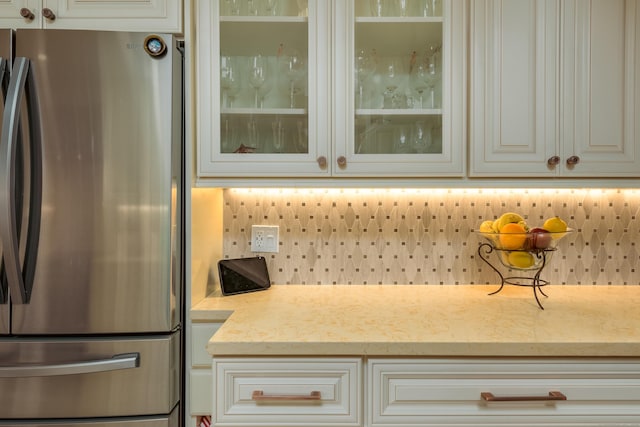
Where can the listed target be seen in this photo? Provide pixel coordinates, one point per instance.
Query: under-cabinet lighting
(431, 191)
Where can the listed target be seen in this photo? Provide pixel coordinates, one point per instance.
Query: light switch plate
(264, 238)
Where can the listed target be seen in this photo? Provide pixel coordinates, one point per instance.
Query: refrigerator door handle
(115, 363)
(20, 282)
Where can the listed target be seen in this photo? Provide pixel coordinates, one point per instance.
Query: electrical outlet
(264, 238)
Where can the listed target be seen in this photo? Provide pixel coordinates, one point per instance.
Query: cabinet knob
(573, 160)
(553, 161)
(322, 162)
(342, 161)
(27, 14)
(48, 13)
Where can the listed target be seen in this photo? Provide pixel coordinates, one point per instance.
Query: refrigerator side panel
(87, 378)
(107, 239)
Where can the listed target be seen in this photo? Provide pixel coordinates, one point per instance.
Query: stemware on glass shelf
(392, 77)
(271, 7)
(378, 7)
(425, 77)
(421, 138)
(229, 80)
(293, 65)
(303, 8)
(365, 67)
(253, 7)
(258, 75)
(426, 8)
(231, 7)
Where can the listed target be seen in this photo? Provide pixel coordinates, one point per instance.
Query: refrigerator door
(89, 378)
(5, 71)
(108, 258)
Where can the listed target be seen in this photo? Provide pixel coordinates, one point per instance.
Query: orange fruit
(512, 236)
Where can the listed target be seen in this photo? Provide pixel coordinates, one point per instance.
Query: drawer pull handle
(553, 395)
(259, 395)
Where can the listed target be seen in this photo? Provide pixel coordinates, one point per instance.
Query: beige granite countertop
(425, 320)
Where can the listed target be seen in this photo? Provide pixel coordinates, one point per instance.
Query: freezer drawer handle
(259, 396)
(117, 362)
(553, 395)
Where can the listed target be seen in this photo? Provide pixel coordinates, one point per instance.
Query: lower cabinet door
(297, 391)
(504, 392)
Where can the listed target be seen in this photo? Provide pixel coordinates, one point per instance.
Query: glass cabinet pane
(397, 64)
(263, 78)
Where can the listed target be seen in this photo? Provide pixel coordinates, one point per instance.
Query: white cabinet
(200, 393)
(505, 392)
(282, 391)
(143, 15)
(332, 118)
(555, 88)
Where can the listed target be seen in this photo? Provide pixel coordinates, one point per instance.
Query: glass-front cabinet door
(400, 108)
(342, 88)
(263, 88)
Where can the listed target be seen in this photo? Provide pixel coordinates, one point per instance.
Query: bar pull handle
(552, 396)
(259, 396)
(117, 362)
(8, 148)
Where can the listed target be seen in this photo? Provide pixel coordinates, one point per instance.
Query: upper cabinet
(116, 15)
(555, 88)
(319, 88)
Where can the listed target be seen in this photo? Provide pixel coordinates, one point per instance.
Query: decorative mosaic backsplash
(348, 236)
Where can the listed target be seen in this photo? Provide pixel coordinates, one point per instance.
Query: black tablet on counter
(242, 275)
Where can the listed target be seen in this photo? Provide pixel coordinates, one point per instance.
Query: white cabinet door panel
(514, 117)
(602, 87)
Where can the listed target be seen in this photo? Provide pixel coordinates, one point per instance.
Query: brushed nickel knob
(322, 162)
(553, 161)
(48, 13)
(573, 160)
(342, 161)
(27, 14)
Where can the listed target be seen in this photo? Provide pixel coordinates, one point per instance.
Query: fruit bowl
(525, 251)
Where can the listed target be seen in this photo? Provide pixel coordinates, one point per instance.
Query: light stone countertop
(425, 320)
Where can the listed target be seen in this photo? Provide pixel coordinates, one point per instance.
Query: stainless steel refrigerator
(91, 229)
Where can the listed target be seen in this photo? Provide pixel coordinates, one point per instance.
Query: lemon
(555, 225)
(506, 218)
(521, 259)
(486, 226)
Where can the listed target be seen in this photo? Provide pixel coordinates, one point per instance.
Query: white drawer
(303, 391)
(200, 335)
(444, 391)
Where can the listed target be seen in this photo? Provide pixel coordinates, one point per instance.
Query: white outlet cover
(264, 238)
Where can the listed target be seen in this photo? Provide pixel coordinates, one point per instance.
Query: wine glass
(294, 68)
(420, 80)
(421, 138)
(364, 68)
(392, 78)
(252, 8)
(258, 75)
(229, 80)
(272, 7)
(401, 140)
(232, 7)
(303, 7)
(401, 7)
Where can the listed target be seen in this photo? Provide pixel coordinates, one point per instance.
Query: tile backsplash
(425, 236)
